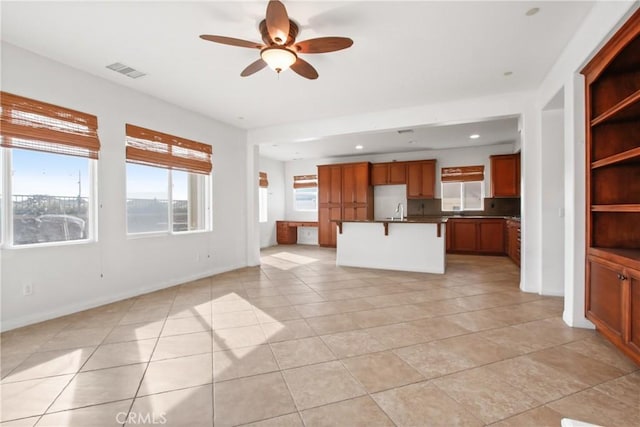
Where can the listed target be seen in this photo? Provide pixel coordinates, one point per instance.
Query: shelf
(627, 156)
(616, 109)
(628, 257)
(616, 208)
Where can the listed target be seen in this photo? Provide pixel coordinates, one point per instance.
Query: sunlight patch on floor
(287, 260)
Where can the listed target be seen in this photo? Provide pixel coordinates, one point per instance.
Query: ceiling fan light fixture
(278, 58)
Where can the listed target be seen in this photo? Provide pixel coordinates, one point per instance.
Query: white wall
(386, 199)
(275, 200)
(552, 205)
(73, 277)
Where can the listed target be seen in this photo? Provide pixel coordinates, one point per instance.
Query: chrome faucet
(399, 211)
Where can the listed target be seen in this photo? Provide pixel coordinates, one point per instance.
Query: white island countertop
(411, 245)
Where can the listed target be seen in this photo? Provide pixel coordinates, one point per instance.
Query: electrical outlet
(27, 289)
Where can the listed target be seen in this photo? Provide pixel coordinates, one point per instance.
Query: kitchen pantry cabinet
(612, 297)
(421, 179)
(389, 173)
(505, 175)
(344, 192)
(476, 236)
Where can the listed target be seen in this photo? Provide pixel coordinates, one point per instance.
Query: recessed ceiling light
(508, 73)
(474, 136)
(359, 147)
(532, 11)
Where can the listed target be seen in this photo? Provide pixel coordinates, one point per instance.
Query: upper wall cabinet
(421, 179)
(389, 173)
(505, 175)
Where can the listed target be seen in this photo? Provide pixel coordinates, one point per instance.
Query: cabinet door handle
(621, 276)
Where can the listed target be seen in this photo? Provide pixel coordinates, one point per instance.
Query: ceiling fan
(280, 50)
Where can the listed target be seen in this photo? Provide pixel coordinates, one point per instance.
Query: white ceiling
(404, 54)
(491, 132)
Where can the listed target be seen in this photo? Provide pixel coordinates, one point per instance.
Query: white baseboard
(8, 324)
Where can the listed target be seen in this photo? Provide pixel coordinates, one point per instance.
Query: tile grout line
(74, 375)
(144, 373)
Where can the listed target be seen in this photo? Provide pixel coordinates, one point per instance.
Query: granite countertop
(416, 220)
(515, 218)
(430, 219)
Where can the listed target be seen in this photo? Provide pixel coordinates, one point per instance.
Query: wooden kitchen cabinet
(491, 236)
(286, 235)
(613, 303)
(476, 236)
(464, 235)
(633, 338)
(513, 240)
(505, 175)
(421, 179)
(612, 97)
(287, 231)
(327, 230)
(329, 184)
(389, 173)
(344, 192)
(355, 183)
(605, 297)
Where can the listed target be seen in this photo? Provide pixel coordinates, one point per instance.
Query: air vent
(126, 70)
(401, 131)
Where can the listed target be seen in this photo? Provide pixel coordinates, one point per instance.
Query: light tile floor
(300, 341)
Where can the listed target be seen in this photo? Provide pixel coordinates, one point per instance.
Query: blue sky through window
(36, 172)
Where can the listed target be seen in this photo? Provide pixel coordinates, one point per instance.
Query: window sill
(135, 236)
(49, 244)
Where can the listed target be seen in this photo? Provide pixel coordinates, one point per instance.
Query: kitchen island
(408, 245)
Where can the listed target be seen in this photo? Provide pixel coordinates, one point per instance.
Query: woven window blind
(152, 148)
(305, 181)
(34, 125)
(263, 181)
(462, 174)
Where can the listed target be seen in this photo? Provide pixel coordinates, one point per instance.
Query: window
(462, 188)
(305, 192)
(167, 183)
(49, 155)
(263, 195)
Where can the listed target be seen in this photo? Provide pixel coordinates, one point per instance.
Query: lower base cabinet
(476, 236)
(327, 230)
(613, 303)
(513, 241)
(286, 235)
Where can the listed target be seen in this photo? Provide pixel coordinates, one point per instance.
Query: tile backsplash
(492, 206)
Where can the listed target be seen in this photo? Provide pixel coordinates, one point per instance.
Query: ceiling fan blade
(323, 44)
(232, 42)
(277, 22)
(254, 67)
(305, 69)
